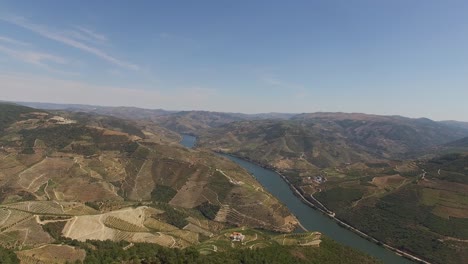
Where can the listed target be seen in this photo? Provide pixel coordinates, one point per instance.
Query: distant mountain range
(328, 139)
(308, 141)
(193, 121)
(118, 111)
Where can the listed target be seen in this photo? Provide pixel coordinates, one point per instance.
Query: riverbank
(331, 215)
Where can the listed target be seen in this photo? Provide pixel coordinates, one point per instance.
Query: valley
(233, 132)
(385, 194)
(84, 176)
(70, 178)
(310, 218)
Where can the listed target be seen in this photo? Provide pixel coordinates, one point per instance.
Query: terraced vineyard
(52, 253)
(43, 208)
(190, 237)
(10, 217)
(302, 239)
(10, 239)
(158, 225)
(197, 229)
(123, 235)
(255, 239)
(119, 224)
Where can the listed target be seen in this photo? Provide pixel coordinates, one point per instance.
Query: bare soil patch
(445, 212)
(35, 176)
(444, 185)
(144, 183)
(53, 254)
(385, 181)
(191, 194)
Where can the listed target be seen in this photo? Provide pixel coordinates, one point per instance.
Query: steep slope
(58, 167)
(139, 127)
(10, 113)
(388, 136)
(458, 143)
(354, 165)
(456, 146)
(328, 139)
(285, 145)
(418, 206)
(455, 124)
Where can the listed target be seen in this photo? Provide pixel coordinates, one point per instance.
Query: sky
(395, 57)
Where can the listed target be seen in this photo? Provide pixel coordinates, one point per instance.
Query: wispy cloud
(43, 60)
(69, 40)
(92, 34)
(34, 88)
(13, 41)
(32, 57)
(31, 87)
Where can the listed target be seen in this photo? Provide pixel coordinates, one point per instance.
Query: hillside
(93, 177)
(139, 127)
(10, 113)
(361, 168)
(456, 146)
(77, 176)
(456, 124)
(260, 248)
(185, 122)
(419, 206)
(388, 136)
(321, 140)
(285, 145)
(461, 144)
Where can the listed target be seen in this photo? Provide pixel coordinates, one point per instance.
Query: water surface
(188, 141)
(310, 218)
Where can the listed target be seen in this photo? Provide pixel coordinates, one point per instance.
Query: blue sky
(383, 57)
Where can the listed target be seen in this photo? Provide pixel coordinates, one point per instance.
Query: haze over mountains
(207, 132)
(211, 118)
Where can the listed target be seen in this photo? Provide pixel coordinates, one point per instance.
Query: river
(310, 218)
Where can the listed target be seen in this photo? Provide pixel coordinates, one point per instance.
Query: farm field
(255, 239)
(51, 253)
